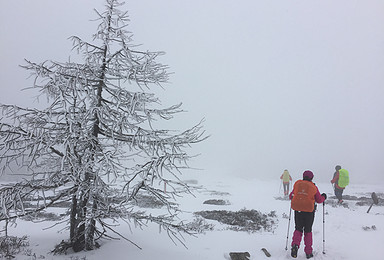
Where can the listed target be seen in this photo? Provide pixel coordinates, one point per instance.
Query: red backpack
(303, 196)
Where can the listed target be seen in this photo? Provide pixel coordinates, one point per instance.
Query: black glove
(324, 195)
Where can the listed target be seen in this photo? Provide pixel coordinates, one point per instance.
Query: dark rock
(217, 202)
(239, 255)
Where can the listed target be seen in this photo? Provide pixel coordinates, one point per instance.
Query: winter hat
(338, 167)
(308, 175)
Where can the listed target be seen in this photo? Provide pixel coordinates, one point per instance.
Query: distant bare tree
(96, 145)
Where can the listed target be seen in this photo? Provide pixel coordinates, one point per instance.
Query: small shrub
(61, 248)
(199, 225)
(146, 201)
(366, 228)
(10, 245)
(78, 258)
(41, 215)
(243, 220)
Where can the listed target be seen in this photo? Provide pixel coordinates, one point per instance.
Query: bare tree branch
(96, 145)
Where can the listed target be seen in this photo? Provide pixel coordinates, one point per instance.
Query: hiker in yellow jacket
(286, 178)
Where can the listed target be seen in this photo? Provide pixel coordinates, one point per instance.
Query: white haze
(281, 84)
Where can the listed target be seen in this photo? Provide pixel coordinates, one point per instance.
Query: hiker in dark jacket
(303, 198)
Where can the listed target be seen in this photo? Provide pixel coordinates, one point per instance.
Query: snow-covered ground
(350, 233)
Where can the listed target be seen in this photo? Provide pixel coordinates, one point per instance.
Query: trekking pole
(323, 227)
(289, 222)
(280, 187)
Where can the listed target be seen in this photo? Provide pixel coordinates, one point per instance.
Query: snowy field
(350, 233)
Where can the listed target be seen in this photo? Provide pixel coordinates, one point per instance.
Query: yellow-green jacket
(286, 177)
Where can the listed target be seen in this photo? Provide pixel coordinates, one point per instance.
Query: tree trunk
(90, 240)
(79, 242)
(73, 221)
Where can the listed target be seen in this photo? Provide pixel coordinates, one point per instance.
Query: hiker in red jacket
(338, 190)
(303, 198)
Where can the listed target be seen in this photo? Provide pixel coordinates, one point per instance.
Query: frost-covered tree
(96, 145)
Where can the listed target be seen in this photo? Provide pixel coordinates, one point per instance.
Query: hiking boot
(309, 255)
(294, 251)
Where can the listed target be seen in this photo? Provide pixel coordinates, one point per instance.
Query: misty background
(281, 84)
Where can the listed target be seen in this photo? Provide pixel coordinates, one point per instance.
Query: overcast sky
(281, 84)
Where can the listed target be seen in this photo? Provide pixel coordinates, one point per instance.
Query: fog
(281, 84)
